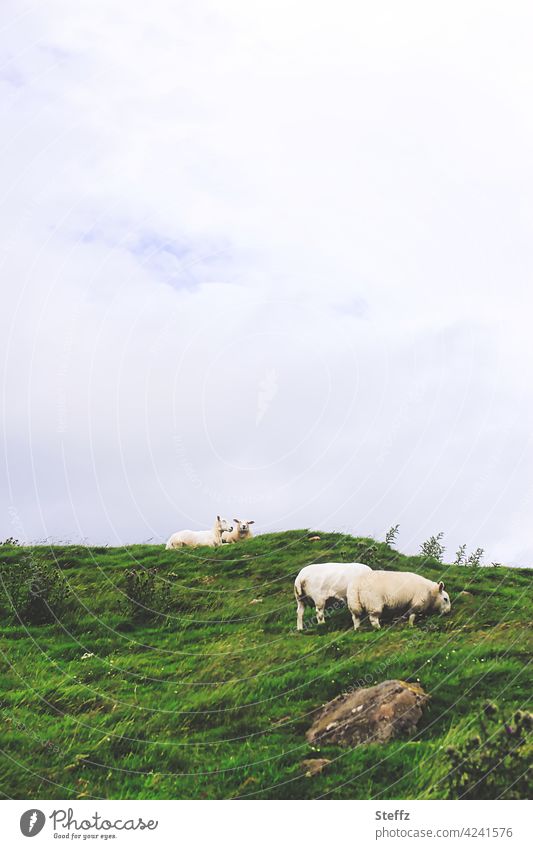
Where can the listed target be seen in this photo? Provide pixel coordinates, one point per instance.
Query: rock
(256, 601)
(313, 539)
(369, 715)
(465, 592)
(313, 766)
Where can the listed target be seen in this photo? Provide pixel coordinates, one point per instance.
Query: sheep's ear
(237, 520)
(441, 586)
(218, 518)
(250, 522)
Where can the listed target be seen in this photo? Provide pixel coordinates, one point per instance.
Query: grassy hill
(212, 699)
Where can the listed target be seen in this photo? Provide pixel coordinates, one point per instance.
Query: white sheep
(192, 539)
(372, 592)
(319, 581)
(241, 531)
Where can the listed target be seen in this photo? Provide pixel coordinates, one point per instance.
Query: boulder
(369, 715)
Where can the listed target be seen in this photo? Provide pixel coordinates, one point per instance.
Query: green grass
(213, 699)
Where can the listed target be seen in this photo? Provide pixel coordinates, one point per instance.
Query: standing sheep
(319, 581)
(372, 592)
(241, 531)
(194, 538)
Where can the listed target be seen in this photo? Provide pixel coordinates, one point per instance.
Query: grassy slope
(214, 702)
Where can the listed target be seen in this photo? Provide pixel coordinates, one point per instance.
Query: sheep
(194, 538)
(320, 581)
(374, 591)
(241, 531)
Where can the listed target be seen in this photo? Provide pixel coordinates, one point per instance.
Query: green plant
(369, 554)
(144, 594)
(390, 536)
(433, 548)
(494, 763)
(34, 590)
(460, 556)
(474, 559)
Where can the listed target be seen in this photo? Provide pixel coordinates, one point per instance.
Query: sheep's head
(223, 525)
(243, 527)
(442, 600)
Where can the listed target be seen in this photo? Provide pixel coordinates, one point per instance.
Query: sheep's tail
(298, 589)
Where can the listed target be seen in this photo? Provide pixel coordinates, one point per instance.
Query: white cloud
(201, 195)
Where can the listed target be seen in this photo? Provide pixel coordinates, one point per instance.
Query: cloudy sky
(267, 259)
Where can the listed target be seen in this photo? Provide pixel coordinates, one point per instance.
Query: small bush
(495, 763)
(433, 548)
(460, 556)
(145, 595)
(368, 554)
(34, 590)
(474, 559)
(390, 536)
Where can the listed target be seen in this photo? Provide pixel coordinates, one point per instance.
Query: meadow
(179, 674)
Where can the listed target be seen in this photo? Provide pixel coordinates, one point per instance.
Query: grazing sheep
(374, 591)
(195, 538)
(241, 531)
(320, 581)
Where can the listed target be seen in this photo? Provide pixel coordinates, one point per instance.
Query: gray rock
(369, 715)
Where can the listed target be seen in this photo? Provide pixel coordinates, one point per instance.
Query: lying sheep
(320, 581)
(195, 538)
(372, 592)
(241, 531)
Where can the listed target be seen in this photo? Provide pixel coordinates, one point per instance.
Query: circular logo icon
(31, 822)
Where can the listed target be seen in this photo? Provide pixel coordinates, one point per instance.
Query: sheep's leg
(374, 620)
(413, 613)
(320, 614)
(416, 608)
(300, 615)
(354, 606)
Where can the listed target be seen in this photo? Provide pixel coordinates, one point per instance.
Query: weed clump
(433, 548)
(145, 594)
(495, 762)
(34, 590)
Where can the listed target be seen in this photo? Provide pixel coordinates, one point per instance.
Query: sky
(269, 260)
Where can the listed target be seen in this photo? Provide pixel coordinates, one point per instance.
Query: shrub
(34, 590)
(460, 556)
(368, 554)
(474, 559)
(145, 596)
(390, 536)
(494, 763)
(433, 548)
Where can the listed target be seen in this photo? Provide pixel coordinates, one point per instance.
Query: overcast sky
(270, 260)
